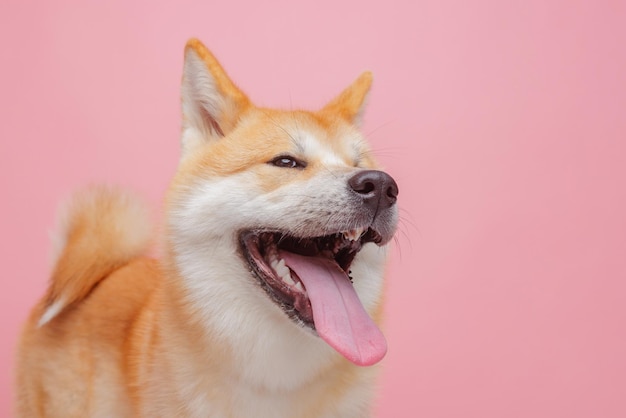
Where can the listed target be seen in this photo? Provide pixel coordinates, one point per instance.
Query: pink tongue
(339, 316)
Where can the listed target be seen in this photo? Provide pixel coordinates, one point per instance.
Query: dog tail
(100, 229)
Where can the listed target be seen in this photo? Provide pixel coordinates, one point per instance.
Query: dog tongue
(340, 318)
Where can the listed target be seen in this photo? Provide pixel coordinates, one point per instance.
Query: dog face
(272, 215)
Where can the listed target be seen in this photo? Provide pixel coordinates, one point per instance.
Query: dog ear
(350, 103)
(211, 102)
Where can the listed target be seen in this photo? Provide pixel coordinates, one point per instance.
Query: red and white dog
(266, 298)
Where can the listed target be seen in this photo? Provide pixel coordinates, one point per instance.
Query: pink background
(503, 122)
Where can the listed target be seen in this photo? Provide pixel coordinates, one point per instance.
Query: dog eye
(287, 161)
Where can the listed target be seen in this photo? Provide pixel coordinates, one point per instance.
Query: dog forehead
(316, 139)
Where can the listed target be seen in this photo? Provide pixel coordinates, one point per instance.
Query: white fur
(52, 311)
(318, 151)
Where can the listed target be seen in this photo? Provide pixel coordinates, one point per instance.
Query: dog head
(278, 220)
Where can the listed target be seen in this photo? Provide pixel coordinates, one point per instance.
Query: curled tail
(101, 229)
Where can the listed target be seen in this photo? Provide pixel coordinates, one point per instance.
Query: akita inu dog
(265, 300)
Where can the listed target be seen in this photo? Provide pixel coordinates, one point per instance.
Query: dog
(265, 298)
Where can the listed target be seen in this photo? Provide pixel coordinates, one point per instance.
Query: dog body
(250, 311)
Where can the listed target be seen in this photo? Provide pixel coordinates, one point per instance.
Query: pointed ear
(350, 103)
(211, 102)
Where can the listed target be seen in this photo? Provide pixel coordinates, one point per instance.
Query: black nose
(377, 188)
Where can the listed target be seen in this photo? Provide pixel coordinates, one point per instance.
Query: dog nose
(377, 188)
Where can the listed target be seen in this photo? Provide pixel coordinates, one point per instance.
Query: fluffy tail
(100, 230)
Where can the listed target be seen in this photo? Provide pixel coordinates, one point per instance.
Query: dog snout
(377, 188)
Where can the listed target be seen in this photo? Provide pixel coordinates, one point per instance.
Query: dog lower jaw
(309, 279)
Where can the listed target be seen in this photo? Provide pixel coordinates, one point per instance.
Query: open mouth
(310, 279)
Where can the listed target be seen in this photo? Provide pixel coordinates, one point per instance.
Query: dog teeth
(280, 268)
(281, 265)
(284, 273)
(353, 234)
(288, 279)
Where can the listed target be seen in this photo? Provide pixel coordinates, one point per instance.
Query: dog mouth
(310, 279)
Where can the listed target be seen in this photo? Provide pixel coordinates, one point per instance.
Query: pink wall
(504, 123)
